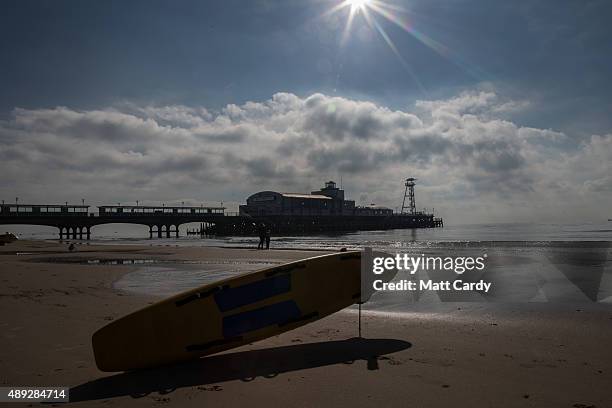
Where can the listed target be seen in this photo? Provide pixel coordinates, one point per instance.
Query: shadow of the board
(244, 365)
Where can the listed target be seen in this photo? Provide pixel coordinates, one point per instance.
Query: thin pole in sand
(359, 320)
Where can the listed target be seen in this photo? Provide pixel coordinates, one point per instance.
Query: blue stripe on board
(232, 298)
(277, 313)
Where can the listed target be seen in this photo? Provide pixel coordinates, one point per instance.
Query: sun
(357, 5)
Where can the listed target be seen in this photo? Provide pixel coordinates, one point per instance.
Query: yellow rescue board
(229, 313)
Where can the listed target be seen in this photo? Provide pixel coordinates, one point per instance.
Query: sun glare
(372, 10)
(358, 4)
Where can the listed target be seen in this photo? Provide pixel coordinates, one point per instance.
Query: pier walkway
(76, 221)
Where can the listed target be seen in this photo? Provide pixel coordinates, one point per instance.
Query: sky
(501, 110)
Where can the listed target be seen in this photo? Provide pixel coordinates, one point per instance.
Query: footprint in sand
(390, 360)
(212, 388)
(161, 400)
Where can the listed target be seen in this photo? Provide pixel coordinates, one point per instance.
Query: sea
(553, 265)
(427, 237)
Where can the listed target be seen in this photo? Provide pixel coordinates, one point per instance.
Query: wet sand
(532, 357)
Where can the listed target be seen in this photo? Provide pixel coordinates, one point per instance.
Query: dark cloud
(352, 158)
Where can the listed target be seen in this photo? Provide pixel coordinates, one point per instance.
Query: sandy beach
(537, 356)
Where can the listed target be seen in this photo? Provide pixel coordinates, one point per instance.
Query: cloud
(468, 157)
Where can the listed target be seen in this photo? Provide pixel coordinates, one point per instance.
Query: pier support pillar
(150, 231)
(159, 231)
(80, 232)
(74, 233)
(61, 233)
(177, 231)
(88, 233)
(167, 231)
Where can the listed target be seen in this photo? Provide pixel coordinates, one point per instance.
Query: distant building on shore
(327, 201)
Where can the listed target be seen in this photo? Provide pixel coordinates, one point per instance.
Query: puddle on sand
(149, 261)
(166, 277)
(167, 281)
(119, 261)
(106, 261)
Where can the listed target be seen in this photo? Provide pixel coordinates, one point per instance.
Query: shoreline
(523, 358)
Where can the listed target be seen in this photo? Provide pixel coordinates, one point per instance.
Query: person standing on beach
(261, 231)
(268, 234)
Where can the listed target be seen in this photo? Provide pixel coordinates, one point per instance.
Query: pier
(76, 221)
